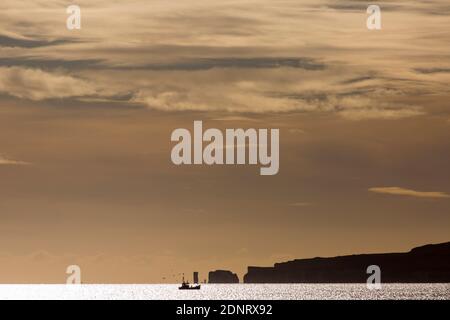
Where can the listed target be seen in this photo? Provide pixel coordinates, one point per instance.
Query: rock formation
(430, 263)
(222, 276)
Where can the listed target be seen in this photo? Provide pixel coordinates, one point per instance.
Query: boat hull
(189, 288)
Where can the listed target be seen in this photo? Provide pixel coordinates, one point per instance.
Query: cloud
(361, 7)
(187, 65)
(375, 113)
(47, 64)
(35, 84)
(205, 92)
(236, 118)
(242, 57)
(432, 70)
(7, 41)
(300, 204)
(409, 192)
(6, 161)
(367, 105)
(222, 95)
(238, 63)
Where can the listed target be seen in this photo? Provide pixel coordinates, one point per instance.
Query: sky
(86, 117)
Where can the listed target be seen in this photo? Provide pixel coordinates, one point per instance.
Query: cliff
(222, 276)
(430, 263)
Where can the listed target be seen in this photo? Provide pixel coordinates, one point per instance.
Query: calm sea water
(236, 291)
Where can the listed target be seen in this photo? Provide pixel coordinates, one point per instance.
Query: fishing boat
(186, 286)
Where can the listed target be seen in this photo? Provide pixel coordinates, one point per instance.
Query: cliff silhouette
(222, 276)
(429, 263)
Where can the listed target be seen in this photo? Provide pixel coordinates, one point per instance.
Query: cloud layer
(252, 57)
(408, 192)
(6, 161)
(35, 84)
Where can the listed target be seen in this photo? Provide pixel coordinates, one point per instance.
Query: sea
(225, 292)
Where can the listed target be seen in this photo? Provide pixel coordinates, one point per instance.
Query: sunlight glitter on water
(227, 292)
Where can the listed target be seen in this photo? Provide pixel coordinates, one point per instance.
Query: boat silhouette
(186, 286)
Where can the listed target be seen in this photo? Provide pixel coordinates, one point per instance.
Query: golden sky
(86, 117)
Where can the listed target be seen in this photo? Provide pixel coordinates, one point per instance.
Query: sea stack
(222, 276)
